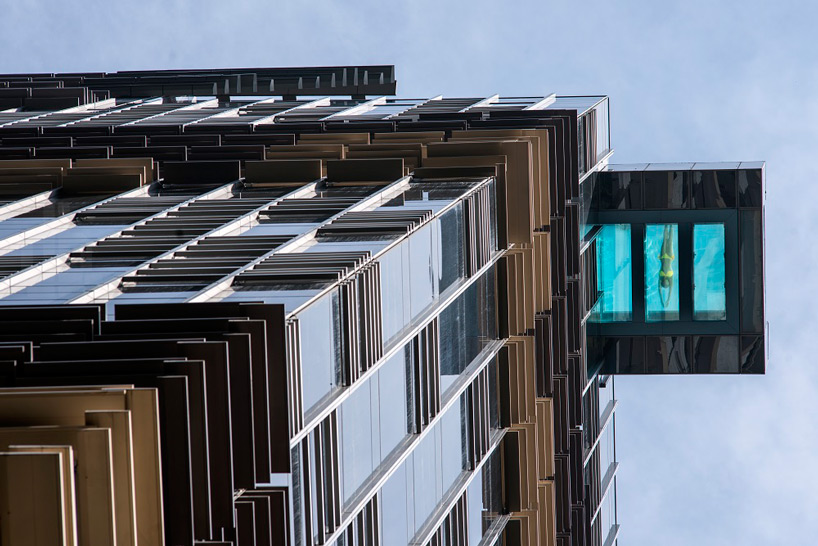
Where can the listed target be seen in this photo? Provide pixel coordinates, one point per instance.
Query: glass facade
(696, 234)
(344, 320)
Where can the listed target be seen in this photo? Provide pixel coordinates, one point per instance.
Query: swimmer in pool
(666, 271)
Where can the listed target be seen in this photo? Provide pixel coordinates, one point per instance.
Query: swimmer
(666, 271)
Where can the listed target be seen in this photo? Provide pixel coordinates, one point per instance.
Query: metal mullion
(376, 266)
(347, 376)
(320, 492)
(417, 387)
(365, 320)
(423, 366)
(485, 404)
(485, 223)
(335, 468)
(354, 328)
(433, 352)
(471, 429)
(477, 400)
(306, 491)
(376, 534)
(685, 282)
(638, 272)
(295, 365)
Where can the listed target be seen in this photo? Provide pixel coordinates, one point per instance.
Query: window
(614, 274)
(709, 293)
(320, 348)
(661, 272)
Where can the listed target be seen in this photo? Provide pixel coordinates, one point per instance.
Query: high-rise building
(278, 306)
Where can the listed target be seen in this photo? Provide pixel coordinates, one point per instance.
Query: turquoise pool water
(662, 274)
(614, 274)
(709, 294)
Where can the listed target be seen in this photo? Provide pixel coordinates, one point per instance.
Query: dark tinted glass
(752, 354)
(466, 327)
(494, 409)
(714, 189)
(619, 190)
(624, 355)
(493, 486)
(715, 354)
(667, 354)
(752, 282)
(749, 188)
(666, 189)
(452, 264)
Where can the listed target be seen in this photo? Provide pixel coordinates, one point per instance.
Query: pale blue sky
(704, 460)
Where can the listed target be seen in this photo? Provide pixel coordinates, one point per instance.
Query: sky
(703, 460)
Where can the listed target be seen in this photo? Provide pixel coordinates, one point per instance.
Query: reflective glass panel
(452, 262)
(392, 402)
(394, 516)
(452, 427)
(466, 327)
(716, 354)
(661, 272)
(394, 292)
(428, 484)
(713, 189)
(320, 348)
(666, 190)
(709, 294)
(356, 439)
(474, 508)
(752, 271)
(421, 270)
(614, 276)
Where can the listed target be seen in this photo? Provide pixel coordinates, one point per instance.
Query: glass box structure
(278, 306)
(680, 263)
